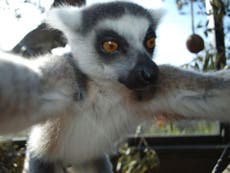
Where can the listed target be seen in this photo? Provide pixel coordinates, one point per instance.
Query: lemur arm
(25, 98)
(186, 94)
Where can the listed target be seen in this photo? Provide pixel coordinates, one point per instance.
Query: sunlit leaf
(179, 4)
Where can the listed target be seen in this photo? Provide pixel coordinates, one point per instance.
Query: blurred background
(192, 34)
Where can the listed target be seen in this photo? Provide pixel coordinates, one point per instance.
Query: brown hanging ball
(195, 43)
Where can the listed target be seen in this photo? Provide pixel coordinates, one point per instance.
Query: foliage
(204, 62)
(214, 56)
(141, 159)
(137, 159)
(183, 128)
(11, 157)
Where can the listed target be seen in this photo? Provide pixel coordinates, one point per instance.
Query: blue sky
(171, 34)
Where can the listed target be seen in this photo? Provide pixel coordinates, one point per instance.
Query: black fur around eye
(109, 43)
(149, 41)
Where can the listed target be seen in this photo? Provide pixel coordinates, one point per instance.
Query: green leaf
(179, 4)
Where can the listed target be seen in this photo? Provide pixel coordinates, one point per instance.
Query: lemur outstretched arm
(27, 96)
(188, 94)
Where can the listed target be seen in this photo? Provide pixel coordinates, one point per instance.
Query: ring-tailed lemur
(87, 100)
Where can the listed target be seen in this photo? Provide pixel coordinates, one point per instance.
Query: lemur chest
(96, 126)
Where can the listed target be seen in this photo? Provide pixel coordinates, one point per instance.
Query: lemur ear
(65, 18)
(157, 15)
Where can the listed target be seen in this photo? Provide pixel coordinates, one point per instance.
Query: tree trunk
(218, 13)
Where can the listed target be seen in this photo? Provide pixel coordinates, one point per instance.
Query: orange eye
(110, 46)
(150, 43)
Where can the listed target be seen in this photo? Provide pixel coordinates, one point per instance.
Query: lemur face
(111, 41)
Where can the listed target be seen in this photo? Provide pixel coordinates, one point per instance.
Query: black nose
(148, 74)
(145, 73)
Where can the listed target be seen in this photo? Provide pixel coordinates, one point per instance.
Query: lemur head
(111, 41)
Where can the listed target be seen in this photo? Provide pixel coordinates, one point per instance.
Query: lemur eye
(150, 43)
(110, 46)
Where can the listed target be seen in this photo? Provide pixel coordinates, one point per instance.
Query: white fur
(65, 17)
(130, 27)
(194, 104)
(213, 105)
(100, 121)
(133, 28)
